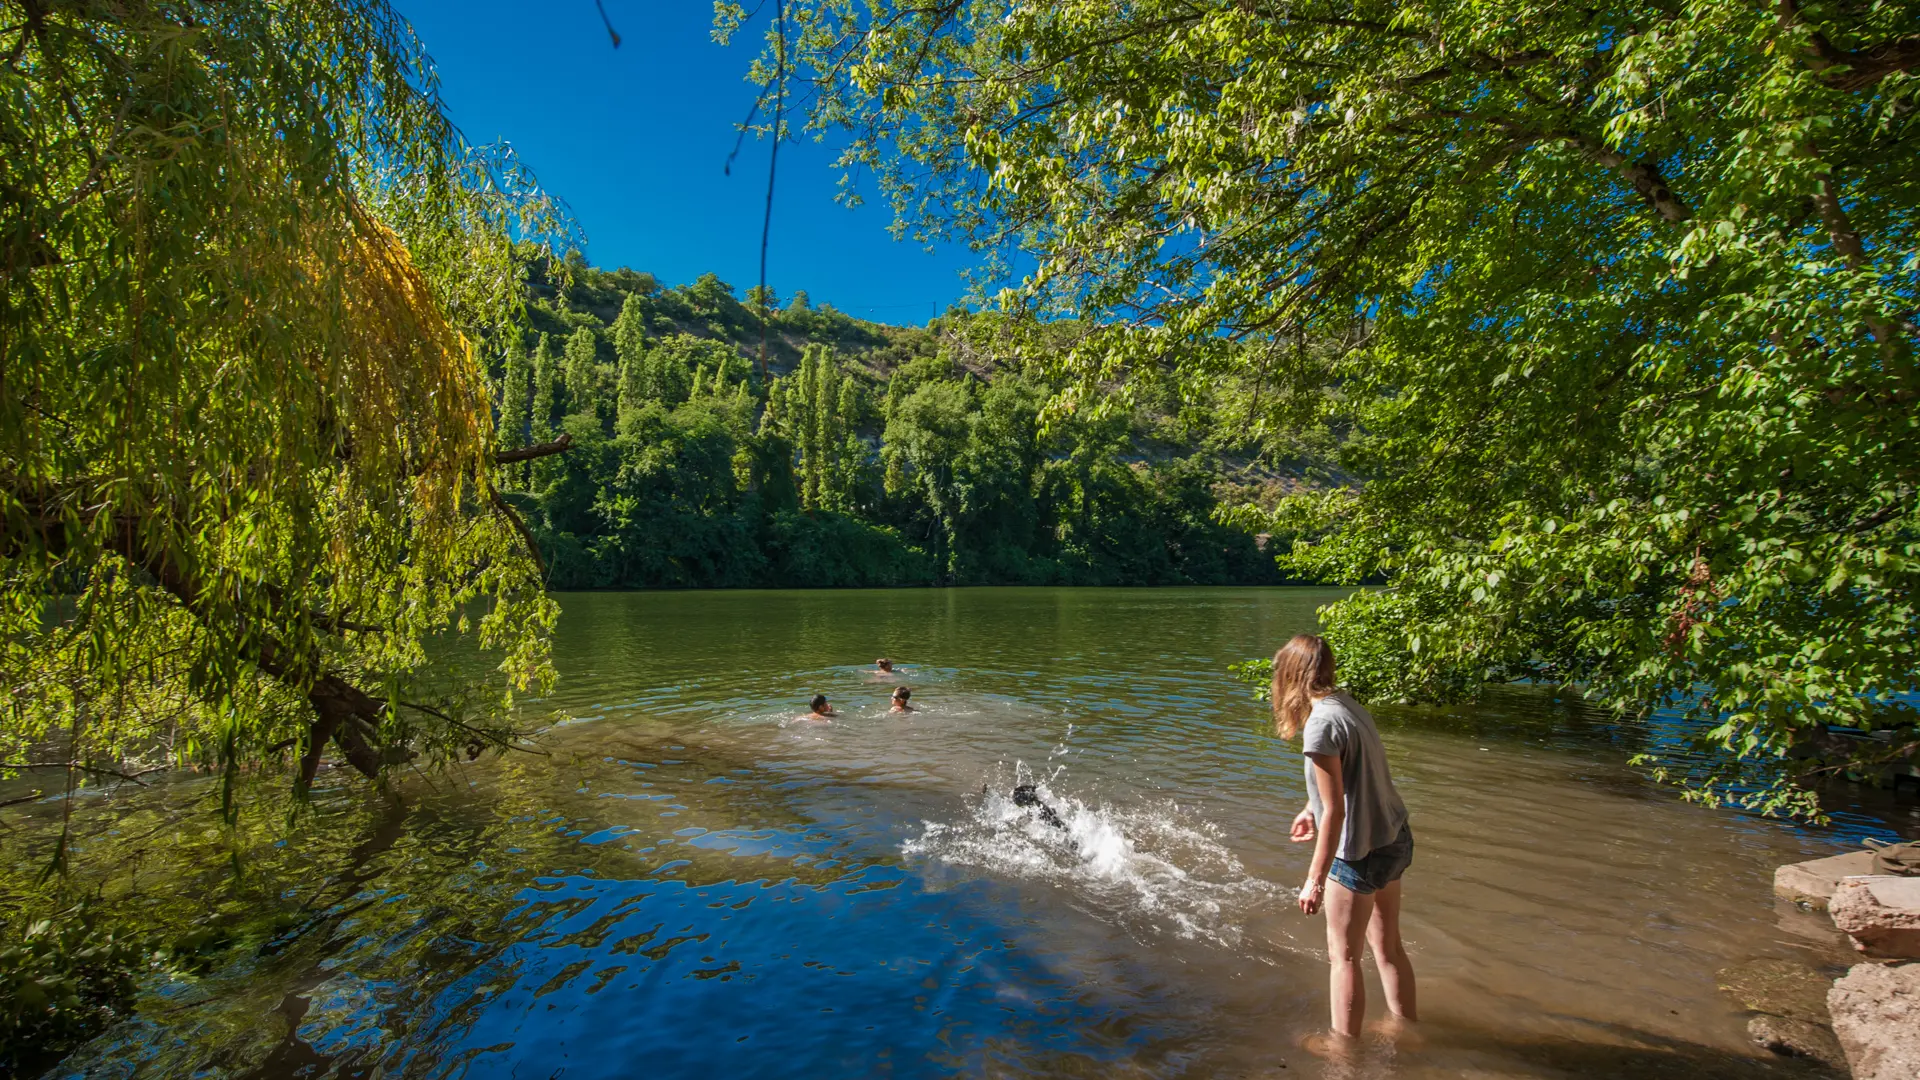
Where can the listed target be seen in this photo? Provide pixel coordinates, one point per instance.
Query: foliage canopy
(1617, 302)
(244, 433)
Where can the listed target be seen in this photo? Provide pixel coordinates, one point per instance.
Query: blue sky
(634, 140)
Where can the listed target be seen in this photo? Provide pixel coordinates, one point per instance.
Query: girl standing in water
(1361, 840)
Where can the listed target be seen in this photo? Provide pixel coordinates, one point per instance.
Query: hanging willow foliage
(244, 432)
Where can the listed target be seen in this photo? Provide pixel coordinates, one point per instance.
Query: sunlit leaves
(1621, 303)
(248, 271)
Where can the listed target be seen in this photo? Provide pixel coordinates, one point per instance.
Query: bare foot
(1332, 1046)
(1397, 1031)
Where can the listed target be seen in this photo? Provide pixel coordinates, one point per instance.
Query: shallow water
(696, 882)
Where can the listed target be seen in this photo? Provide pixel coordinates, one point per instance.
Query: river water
(692, 883)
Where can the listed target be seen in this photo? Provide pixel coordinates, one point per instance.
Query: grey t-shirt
(1342, 727)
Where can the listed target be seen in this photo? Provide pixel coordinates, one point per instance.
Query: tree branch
(1480, 65)
(1861, 69)
(94, 769)
(519, 526)
(538, 450)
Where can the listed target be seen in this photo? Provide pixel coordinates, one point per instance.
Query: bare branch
(79, 767)
(538, 450)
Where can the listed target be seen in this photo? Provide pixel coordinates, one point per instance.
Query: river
(692, 884)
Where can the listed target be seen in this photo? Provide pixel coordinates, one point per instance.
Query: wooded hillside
(867, 455)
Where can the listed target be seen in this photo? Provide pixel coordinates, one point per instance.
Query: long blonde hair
(1302, 671)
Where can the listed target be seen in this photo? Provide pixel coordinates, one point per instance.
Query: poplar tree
(582, 374)
(633, 386)
(515, 396)
(546, 378)
(824, 437)
(629, 329)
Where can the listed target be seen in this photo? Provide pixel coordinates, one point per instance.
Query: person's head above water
(1302, 672)
(820, 706)
(883, 664)
(900, 696)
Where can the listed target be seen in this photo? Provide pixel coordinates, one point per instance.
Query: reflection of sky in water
(691, 882)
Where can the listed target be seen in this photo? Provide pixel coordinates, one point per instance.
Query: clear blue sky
(634, 140)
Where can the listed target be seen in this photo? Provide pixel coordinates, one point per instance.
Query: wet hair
(883, 664)
(819, 702)
(902, 693)
(1302, 670)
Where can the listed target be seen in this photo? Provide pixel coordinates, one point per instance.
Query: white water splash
(1154, 868)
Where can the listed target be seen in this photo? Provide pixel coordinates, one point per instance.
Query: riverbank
(1861, 1011)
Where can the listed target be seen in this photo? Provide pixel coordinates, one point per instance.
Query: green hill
(866, 454)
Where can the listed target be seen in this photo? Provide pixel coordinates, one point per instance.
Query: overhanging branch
(538, 450)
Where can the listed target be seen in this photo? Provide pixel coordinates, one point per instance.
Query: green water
(693, 881)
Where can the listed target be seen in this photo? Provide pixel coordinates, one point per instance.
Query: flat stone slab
(1812, 882)
(1876, 1016)
(1881, 913)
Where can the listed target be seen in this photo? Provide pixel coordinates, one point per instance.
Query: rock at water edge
(1881, 914)
(1812, 882)
(1876, 1015)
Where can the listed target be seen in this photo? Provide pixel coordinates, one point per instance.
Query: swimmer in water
(822, 711)
(882, 669)
(900, 696)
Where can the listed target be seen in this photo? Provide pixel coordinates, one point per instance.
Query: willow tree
(245, 441)
(1617, 299)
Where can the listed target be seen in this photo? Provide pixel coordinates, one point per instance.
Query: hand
(1304, 828)
(1310, 896)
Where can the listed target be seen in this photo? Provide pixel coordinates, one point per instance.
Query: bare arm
(1333, 814)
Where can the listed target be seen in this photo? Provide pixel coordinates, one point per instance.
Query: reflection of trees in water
(409, 891)
(1664, 739)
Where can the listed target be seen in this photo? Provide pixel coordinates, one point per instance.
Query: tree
(582, 373)
(546, 387)
(245, 462)
(629, 330)
(1617, 301)
(515, 398)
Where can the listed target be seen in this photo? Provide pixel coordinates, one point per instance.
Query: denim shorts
(1377, 868)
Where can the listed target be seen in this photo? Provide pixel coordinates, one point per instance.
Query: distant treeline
(870, 455)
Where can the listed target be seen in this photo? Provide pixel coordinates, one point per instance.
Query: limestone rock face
(1876, 1015)
(1881, 914)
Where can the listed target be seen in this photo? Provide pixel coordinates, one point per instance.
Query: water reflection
(688, 883)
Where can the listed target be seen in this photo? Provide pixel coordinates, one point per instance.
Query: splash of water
(1154, 868)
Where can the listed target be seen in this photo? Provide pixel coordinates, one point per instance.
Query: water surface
(696, 883)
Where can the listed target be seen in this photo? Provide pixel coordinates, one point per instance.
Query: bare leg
(1348, 913)
(1396, 970)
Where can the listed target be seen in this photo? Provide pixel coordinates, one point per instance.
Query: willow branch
(75, 765)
